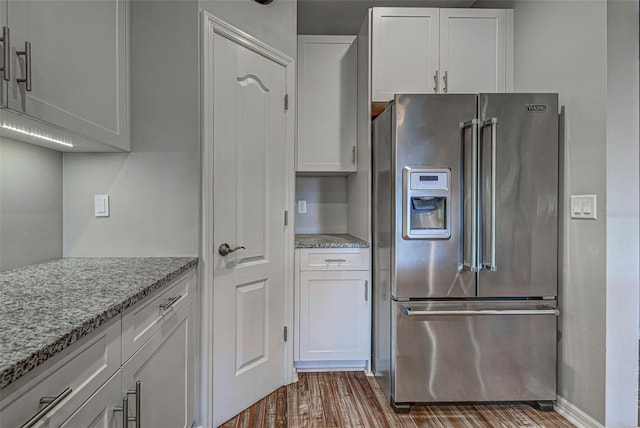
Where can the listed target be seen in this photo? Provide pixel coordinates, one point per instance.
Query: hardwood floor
(351, 399)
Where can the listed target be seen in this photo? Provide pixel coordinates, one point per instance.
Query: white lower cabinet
(86, 384)
(159, 377)
(334, 309)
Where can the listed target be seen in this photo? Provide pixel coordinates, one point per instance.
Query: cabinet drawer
(335, 259)
(73, 376)
(142, 321)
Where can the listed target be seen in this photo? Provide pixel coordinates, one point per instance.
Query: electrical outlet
(302, 207)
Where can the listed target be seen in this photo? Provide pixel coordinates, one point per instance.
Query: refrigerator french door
(465, 199)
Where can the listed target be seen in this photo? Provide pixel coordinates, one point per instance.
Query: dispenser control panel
(429, 180)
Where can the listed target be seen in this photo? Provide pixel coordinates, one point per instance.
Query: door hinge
(285, 333)
(286, 218)
(286, 102)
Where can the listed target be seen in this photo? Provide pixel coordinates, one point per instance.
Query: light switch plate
(101, 205)
(302, 207)
(584, 207)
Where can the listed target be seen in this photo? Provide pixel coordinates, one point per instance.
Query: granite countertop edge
(10, 374)
(328, 240)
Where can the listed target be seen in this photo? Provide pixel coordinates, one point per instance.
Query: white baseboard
(575, 415)
(330, 366)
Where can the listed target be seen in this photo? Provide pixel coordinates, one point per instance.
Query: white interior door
(249, 200)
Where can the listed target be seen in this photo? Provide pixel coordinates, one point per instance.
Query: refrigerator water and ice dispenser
(426, 196)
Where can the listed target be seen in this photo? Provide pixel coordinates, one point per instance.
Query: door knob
(225, 249)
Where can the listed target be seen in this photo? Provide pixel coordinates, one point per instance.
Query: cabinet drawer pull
(6, 50)
(171, 302)
(335, 260)
(27, 66)
(51, 403)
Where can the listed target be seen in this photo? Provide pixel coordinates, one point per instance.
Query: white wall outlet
(101, 205)
(584, 207)
(302, 207)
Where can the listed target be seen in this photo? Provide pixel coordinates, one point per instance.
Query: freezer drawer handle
(407, 311)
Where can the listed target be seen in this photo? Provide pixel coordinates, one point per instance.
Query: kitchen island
(49, 306)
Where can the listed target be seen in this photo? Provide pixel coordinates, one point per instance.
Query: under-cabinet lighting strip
(31, 134)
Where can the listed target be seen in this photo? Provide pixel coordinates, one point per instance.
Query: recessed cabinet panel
(334, 315)
(327, 104)
(78, 83)
(481, 69)
(404, 51)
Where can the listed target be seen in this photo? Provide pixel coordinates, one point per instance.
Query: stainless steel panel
(479, 357)
(383, 217)
(526, 195)
(427, 135)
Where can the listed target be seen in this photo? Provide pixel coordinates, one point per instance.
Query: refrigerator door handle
(545, 310)
(493, 123)
(471, 264)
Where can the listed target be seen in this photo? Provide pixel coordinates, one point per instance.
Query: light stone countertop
(48, 306)
(329, 241)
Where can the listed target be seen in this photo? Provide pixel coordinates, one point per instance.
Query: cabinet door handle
(27, 66)
(51, 403)
(445, 79)
(366, 290)
(171, 302)
(138, 393)
(435, 81)
(353, 155)
(6, 50)
(125, 412)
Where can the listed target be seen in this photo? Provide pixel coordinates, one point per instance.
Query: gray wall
(561, 46)
(154, 190)
(623, 203)
(326, 204)
(30, 204)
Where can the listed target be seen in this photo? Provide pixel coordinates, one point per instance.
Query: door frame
(210, 26)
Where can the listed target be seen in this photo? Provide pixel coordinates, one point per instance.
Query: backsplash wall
(326, 204)
(30, 204)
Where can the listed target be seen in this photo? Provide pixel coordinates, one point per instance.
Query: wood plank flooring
(351, 399)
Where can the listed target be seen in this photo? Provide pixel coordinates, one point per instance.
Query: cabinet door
(334, 315)
(473, 50)
(327, 103)
(404, 53)
(99, 410)
(164, 366)
(78, 65)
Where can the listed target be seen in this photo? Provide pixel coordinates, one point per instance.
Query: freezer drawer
(473, 351)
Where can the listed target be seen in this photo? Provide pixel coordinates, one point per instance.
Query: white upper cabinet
(404, 51)
(473, 50)
(327, 104)
(425, 50)
(69, 62)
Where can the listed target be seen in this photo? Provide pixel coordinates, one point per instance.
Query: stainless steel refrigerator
(465, 233)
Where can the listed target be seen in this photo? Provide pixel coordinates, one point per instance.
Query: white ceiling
(345, 16)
